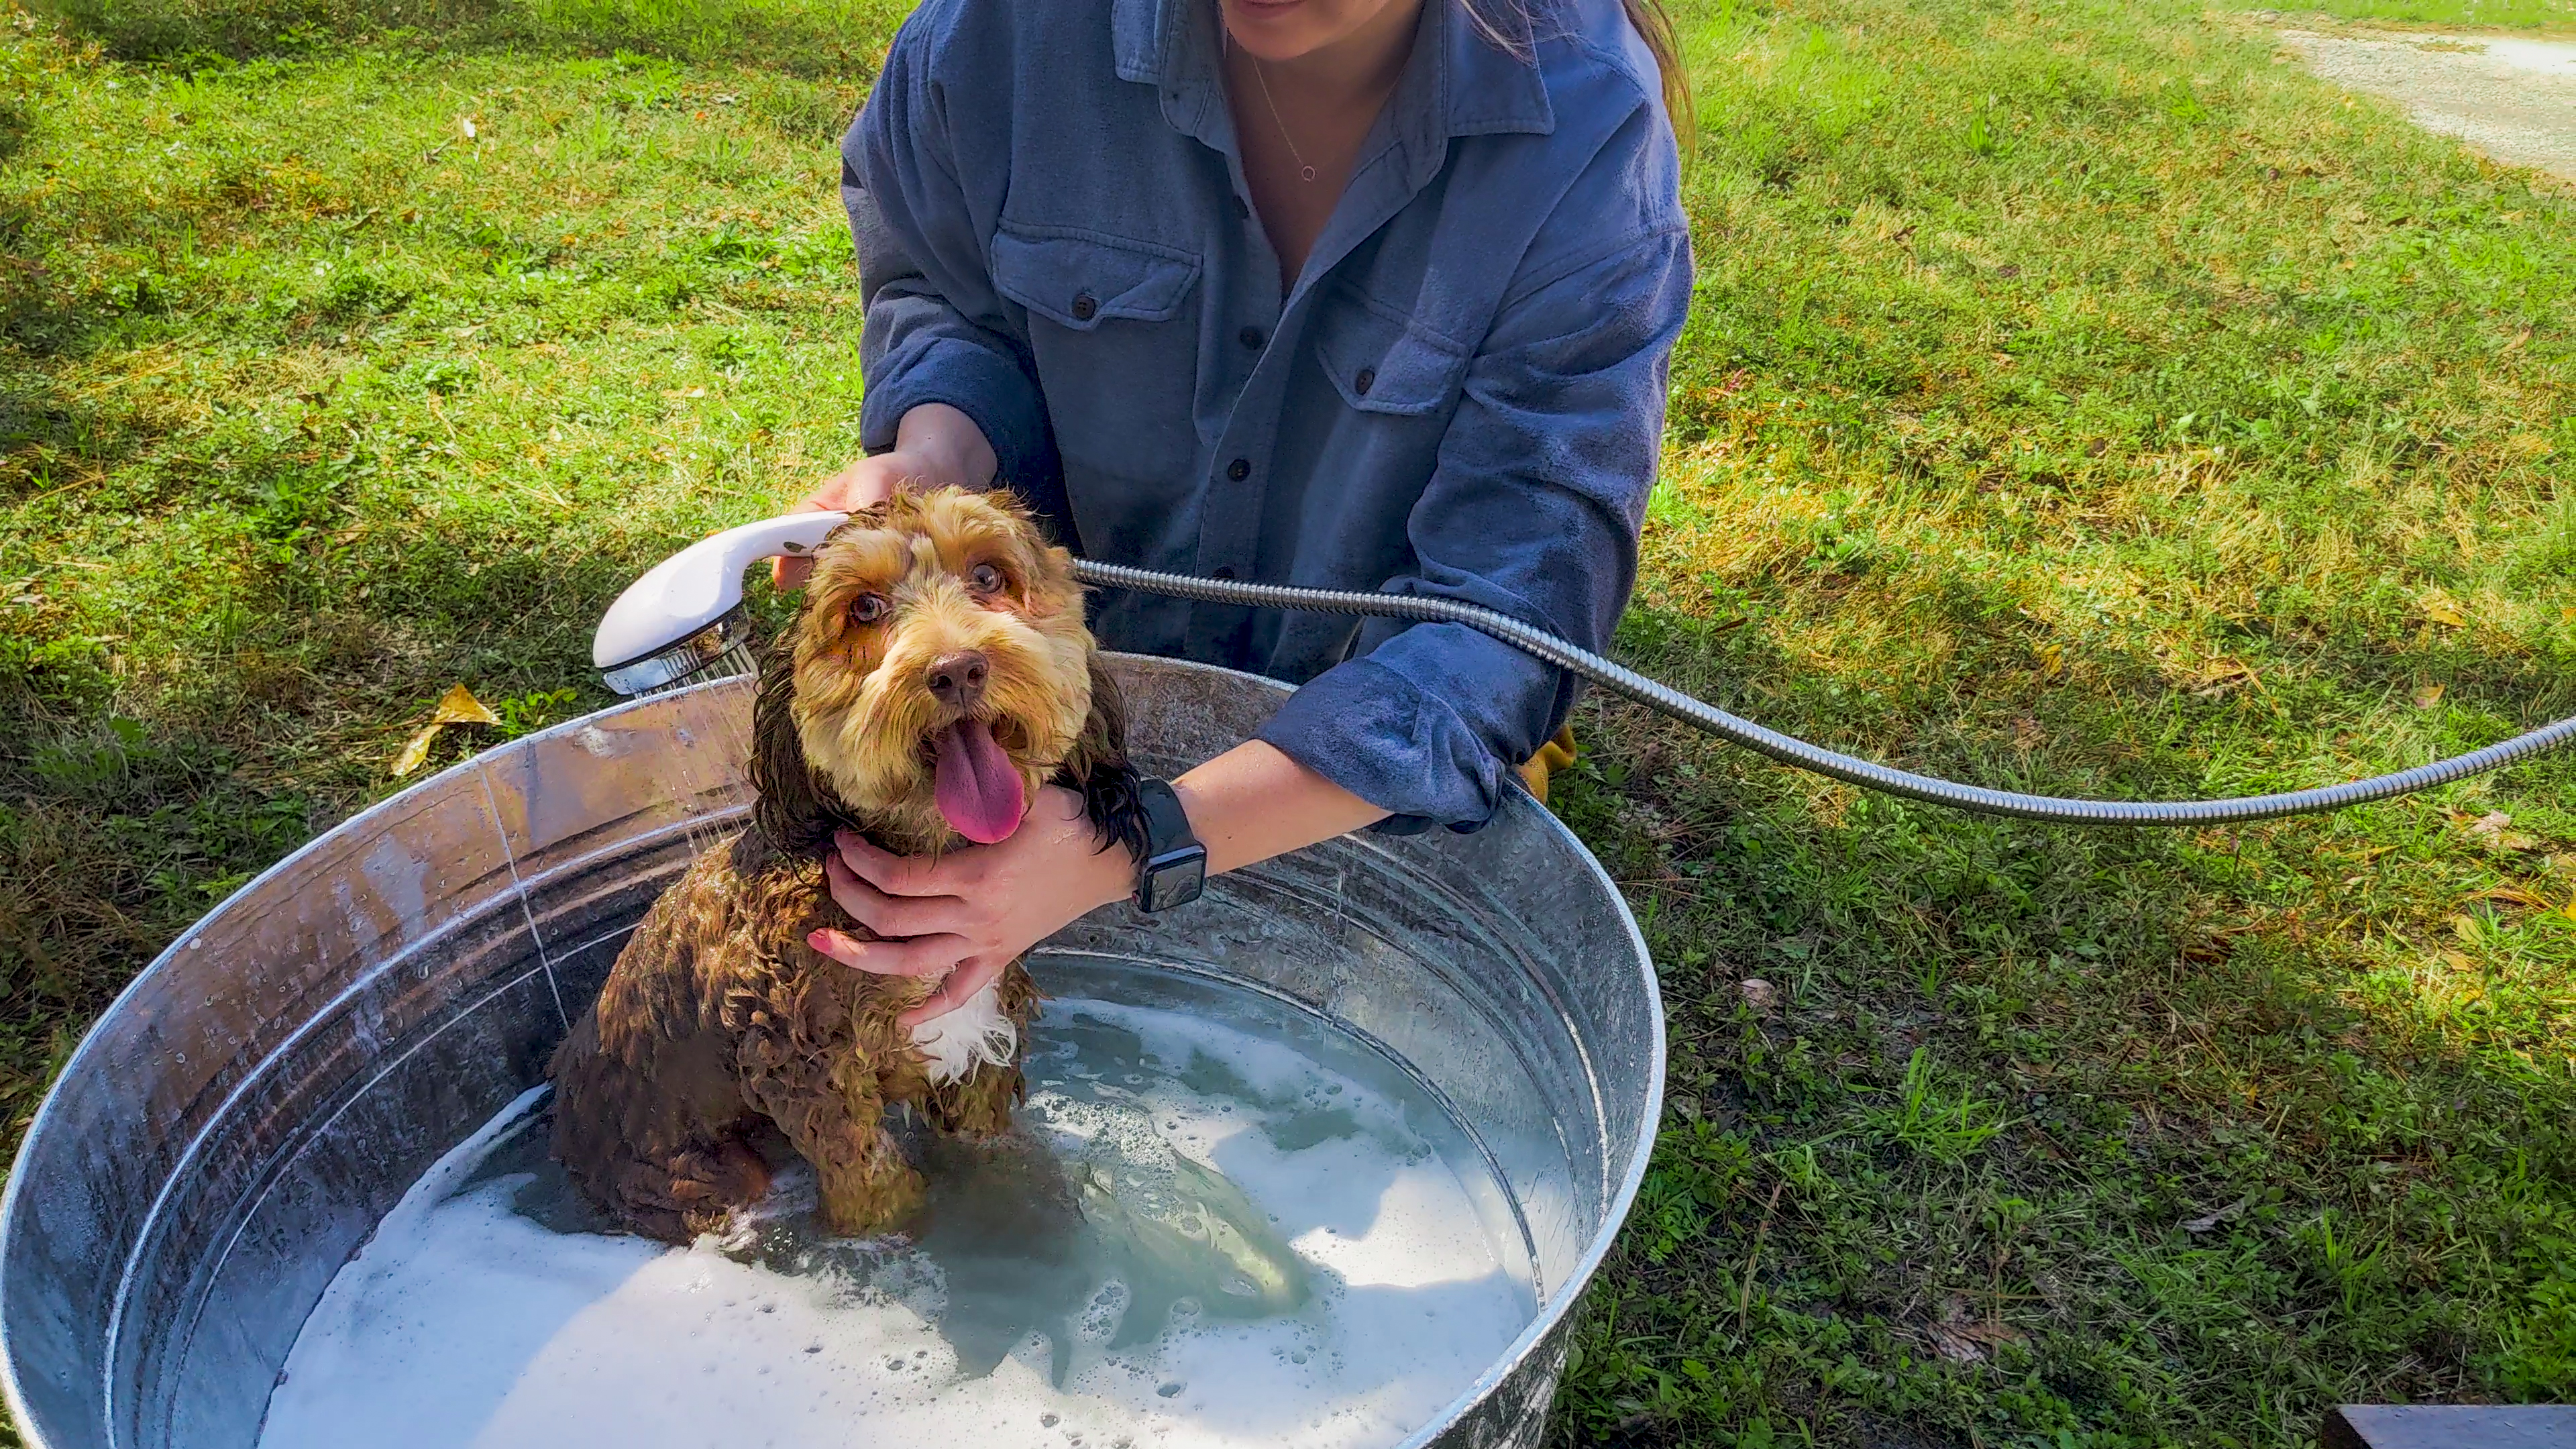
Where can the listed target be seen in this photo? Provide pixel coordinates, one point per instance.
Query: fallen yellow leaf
(417, 751)
(2511, 895)
(2428, 696)
(2052, 661)
(459, 706)
(2443, 611)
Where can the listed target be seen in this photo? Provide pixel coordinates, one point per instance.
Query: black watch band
(1174, 867)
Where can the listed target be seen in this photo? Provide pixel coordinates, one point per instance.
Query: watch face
(1175, 879)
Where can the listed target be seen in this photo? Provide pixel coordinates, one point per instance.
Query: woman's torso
(1205, 423)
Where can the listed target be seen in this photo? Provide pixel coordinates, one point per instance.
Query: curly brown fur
(718, 1015)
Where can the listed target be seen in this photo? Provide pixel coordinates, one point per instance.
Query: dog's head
(939, 674)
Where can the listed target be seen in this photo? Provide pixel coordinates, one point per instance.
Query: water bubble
(1168, 1391)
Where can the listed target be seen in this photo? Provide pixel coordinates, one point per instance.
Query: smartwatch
(1174, 865)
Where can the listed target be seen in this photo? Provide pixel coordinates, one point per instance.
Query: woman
(1362, 294)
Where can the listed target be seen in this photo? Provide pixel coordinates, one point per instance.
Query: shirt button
(1239, 469)
(1221, 573)
(1249, 337)
(1367, 379)
(1085, 306)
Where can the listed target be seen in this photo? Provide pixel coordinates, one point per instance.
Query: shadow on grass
(814, 39)
(123, 820)
(1952, 1092)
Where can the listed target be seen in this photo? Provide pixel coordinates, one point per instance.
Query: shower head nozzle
(684, 618)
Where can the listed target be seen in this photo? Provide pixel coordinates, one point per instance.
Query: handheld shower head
(683, 620)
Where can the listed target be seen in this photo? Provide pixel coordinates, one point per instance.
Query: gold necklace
(1304, 172)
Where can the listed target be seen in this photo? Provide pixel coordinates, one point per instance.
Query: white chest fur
(976, 1034)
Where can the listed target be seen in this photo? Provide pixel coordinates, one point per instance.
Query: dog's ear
(794, 811)
(1099, 771)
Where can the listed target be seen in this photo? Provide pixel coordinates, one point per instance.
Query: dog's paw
(727, 1175)
(882, 1201)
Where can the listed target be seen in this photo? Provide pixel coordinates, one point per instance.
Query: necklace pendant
(1306, 173)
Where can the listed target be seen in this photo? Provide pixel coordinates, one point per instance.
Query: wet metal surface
(233, 1128)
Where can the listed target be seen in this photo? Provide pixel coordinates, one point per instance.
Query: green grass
(2490, 14)
(2074, 399)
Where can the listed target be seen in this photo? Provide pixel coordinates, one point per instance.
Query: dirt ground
(2512, 98)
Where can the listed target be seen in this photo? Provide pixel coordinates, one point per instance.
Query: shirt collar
(1456, 83)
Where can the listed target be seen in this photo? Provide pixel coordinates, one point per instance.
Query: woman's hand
(935, 446)
(968, 914)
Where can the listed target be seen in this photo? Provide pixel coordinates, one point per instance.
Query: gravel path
(2513, 99)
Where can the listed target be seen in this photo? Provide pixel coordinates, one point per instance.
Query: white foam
(973, 1035)
(464, 1323)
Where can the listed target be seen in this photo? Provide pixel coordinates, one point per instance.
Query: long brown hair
(1512, 25)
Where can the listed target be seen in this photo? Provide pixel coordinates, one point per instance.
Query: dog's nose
(957, 680)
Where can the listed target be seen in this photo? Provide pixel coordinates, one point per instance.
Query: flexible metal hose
(1663, 698)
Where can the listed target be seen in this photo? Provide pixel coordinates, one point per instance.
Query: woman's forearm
(1253, 802)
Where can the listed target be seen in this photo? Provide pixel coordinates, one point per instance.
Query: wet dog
(939, 673)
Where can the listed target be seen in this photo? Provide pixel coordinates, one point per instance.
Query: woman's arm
(1252, 803)
(949, 388)
(968, 914)
(1532, 510)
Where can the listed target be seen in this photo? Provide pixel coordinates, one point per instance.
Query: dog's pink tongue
(976, 785)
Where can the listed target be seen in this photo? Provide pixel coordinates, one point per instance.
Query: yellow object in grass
(1553, 756)
(457, 706)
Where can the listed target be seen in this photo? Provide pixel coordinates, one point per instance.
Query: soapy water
(1218, 1223)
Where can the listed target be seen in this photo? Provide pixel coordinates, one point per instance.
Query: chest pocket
(1080, 280)
(1111, 327)
(1381, 361)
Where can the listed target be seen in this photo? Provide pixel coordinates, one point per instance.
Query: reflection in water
(1219, 1226)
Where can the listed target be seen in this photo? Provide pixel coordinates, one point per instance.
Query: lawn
(2516, 14)
(2077, 397)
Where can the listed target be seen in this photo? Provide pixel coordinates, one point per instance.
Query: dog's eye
(867, 608)
(985, 579)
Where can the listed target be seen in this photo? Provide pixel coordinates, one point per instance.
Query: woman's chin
(1277, 31)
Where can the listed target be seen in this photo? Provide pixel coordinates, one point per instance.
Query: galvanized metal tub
(237, 1123)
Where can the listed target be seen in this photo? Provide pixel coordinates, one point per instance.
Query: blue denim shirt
(1461, 395)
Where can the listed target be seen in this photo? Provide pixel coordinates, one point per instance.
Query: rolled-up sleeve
(1533, 511)
(935, 329)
